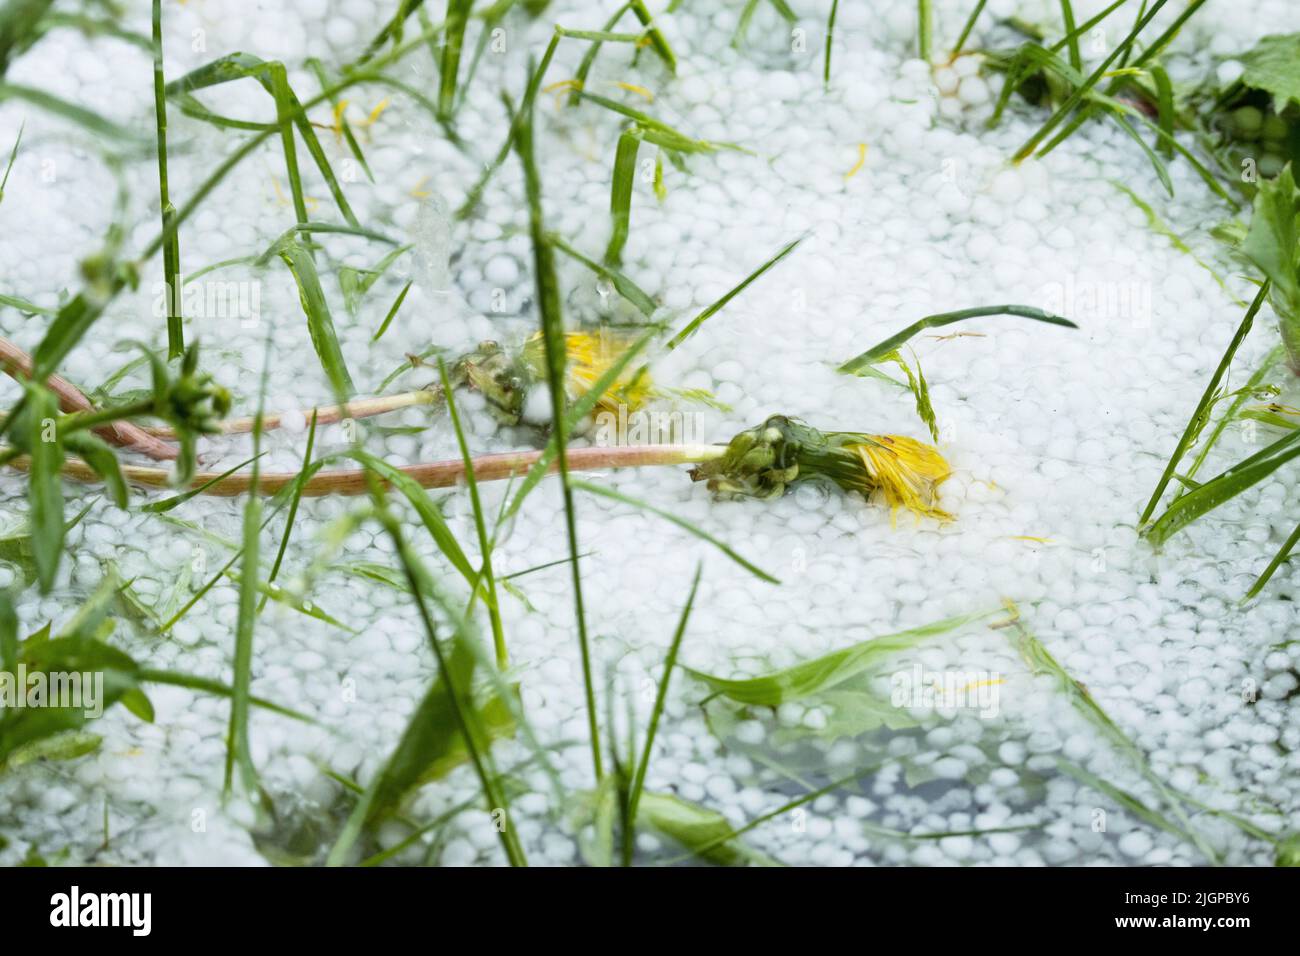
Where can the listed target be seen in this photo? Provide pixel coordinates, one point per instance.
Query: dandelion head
(905, 471)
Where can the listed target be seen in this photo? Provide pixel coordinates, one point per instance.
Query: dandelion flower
(588, 356)
(906, 472)
(762, 462)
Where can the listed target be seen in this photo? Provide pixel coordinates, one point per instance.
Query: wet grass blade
(1202, 412)
(13, 156)
(680, 522)
(877, 353)
(167, 504)
(295, 498)
(238, 750)
(320, 323)
(392, 311)
(693, 326)
(425, 508)
(706, 833)
(621, 283)
(458, 697)
(620, 195)
(45, 483)
(661, 696)
(830, 42)
(1222, 488)
(924, 28)
(657, 41)
(486, 576)
(171, 244)
(1278, 559)
(552, 321)
(970, 25)
(589, 58)
(829, 670)
(1067, 16)
(453, 41)
(1081, 92)
(475, 193)
(89, 120)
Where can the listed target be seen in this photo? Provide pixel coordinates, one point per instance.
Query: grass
(471, 701)
(171, 244)
(548, 304)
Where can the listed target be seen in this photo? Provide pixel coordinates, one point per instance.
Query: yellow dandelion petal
(588, 356)
(639, 90)
(862, 161)
(339, 109)
(907, 473)
(376, 112)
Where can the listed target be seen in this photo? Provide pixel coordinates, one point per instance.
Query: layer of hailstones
(1055, 438)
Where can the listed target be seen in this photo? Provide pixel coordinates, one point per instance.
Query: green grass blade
(830, 670)
(693, 326)
(1278, 559)
(970, 25)
(475, 193)
(1080, 92)
(830, 42)
(238, 750)
(589, 58)
(295, 497)
(552, 320)
(621, 283)
(620, 195)
(424, 506)
(453, 41)
(1067, 16)
(89, 120)
(680, 522)
(1201, 414)
(877, 353)
(924, 28)
(45, 483)
(1223, 487)
(13, 156)
(657, 41)
(392, 311)
(320, 323)
(171, 245)
(487, 576)
(661, 696)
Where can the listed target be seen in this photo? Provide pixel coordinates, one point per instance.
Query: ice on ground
(910, 208)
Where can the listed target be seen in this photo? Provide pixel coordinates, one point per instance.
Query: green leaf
(1273, 245)
(432, 745)
(830, 670)
(700, 830)
(1274, 66)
